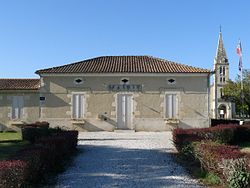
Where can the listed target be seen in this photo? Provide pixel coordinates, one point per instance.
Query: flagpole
(242, 94)
(239, 53)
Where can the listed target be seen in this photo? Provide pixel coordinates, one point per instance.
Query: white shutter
(171, 106)
(14, 107)
(20, 106)
(168, 106)
(17, 107)
(174, 106)
(74, 106)
(78, 104)
(81, 106)
(129, 110)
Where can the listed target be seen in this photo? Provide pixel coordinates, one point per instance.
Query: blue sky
(36, 34)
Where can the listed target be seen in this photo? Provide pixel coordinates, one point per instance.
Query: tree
(232, 92)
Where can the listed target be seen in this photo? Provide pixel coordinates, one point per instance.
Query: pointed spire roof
(221, 56)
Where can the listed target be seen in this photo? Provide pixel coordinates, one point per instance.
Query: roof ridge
(137, 63)
(177, 63)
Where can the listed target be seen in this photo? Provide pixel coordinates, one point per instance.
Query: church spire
(221, 56)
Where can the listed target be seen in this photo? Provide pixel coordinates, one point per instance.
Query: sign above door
(125, 87)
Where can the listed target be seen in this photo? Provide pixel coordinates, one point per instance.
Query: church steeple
(220, 108)
(221, 56)
(221, 65)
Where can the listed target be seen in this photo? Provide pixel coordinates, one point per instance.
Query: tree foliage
(232, 92)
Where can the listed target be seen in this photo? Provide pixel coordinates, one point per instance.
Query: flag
(240, 64)
(239, 53)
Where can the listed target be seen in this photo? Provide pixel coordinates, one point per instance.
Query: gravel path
(129, 160)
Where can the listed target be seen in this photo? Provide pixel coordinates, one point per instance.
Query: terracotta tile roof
(19, 84)
(124, 64)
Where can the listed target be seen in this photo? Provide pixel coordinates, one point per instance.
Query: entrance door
(124, 111)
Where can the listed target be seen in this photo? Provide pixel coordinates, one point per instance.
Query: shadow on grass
(10, 148)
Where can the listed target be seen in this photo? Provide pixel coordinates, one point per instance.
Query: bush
(183, 137)
(13, 173)
(221, 134)
(209, 147)
(31, 134)
(36, 158)
(212, 179)
(235, 172)
(213, 157)
(39, 124)
(216, 122)
(242, 134)
(31, 163)
(225, 134)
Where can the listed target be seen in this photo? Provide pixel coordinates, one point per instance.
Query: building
(220, 108)
(141, 93)
(19, 102)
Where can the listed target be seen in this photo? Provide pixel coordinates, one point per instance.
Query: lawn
(245, 147)
(9, 148)
(10, 143)
(10, 136)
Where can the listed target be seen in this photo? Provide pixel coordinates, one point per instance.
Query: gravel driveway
(109, 159)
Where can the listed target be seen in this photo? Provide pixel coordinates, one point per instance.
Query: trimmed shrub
(210, 147)
(216, 122)
(210, 154)
(38, 124)
(36, 158)
(214, 158)
(31, 163)
(33, 131)
(221, 134)
(31, 134)
(13, 173)
(242, 134)
(183, 137)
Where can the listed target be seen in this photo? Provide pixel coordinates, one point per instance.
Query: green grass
(5, 136)
(9, 148)
(206, 177)
(10, 142)
(245, 147)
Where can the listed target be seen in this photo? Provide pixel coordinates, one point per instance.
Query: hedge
(216, 122)
(211, 147)
(225, 161)
(227, 134)
(13, 173)
(30, 164)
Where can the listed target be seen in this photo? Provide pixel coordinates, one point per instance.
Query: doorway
(124, 111)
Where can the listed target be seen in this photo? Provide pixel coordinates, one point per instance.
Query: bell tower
(221, 76)
(221, 67)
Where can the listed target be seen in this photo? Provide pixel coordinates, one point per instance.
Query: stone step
(124, 131)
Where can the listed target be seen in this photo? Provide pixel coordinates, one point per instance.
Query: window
(78, 103)
(171, 106)
(220, 70)
(171, 81)
(17, 107)
(124, 81)
(221, 92)
(78, 81)
(223, 71)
